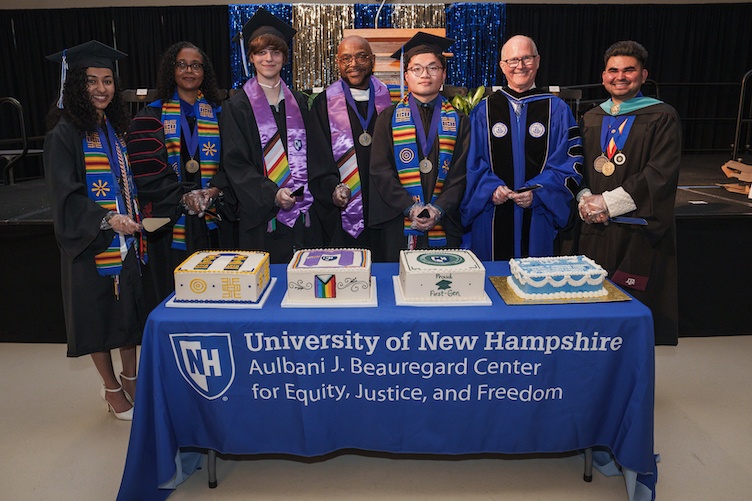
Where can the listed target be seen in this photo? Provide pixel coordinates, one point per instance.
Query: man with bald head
(345, 114)
(524, 163)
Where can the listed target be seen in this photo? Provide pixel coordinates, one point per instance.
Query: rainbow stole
(406, 159)
(102, 184)
(208, 150)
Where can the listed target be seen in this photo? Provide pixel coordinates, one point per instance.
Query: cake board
(371, 303)
(512, 299)
(171, 303)
(400, 300)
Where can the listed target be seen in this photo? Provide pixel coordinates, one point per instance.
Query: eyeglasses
(418, 70)
(182, 66)
(515, 61)
(358, 58)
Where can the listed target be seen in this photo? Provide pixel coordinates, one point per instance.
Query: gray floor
(59, 443)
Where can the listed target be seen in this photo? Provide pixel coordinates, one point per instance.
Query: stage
(713, 237)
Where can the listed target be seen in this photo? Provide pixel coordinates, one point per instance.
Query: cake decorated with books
(323, 276)
(222, 277)
(441, 275)
(563, 277)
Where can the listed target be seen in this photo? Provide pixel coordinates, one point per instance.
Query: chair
(138, 98)
(10, 157)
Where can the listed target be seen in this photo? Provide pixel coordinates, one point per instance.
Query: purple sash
(343, 142)
(296, 143)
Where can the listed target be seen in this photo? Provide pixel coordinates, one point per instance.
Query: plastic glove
(192, 202)
(124, 224)
(593, 209)
(524, 199)
(501, 195)
(426, 223)
(341, 195)
(284, 199)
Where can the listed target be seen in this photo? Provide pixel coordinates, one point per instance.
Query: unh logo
(205, 361)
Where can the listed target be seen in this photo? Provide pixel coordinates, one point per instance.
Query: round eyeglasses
(418, 70)
(182, 66)
(358, 58)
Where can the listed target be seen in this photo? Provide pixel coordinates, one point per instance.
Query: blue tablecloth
(398, 379)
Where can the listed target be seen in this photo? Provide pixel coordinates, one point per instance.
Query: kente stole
(208, 150)
(406, 159)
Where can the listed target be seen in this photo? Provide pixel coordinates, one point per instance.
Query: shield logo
(205, 361)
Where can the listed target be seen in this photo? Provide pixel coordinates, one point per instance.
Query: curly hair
(80, 111)
(166, 76)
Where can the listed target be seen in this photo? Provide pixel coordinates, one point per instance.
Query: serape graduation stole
(103, 182)
(208, 150)
(285, 166)
(407, 158)
(343, 147)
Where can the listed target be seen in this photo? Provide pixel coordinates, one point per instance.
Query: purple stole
(343, 148)
(274, 157)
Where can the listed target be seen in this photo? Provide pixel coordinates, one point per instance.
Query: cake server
(152, 224)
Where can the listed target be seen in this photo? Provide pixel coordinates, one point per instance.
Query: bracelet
(104, 224)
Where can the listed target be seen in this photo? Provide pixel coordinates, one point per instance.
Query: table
(396, 379)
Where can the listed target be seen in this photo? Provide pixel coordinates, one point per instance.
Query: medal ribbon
(295, 154)
(338, 96)
(406, 158)
(614, 139)
(425, 141)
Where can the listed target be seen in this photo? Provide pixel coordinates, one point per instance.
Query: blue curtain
(478, 29)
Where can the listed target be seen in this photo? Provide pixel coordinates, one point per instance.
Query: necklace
(270, 86)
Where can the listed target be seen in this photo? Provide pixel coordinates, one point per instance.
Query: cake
(316, 276)
(226, 276)
(441, 275)
(565, 277)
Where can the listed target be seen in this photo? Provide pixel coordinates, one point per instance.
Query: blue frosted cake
(564, 277)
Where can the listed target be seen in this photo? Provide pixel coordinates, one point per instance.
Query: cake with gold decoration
(222, 276)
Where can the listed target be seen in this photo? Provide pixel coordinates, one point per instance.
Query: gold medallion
(191, 166)
(608, 169)
(365, 139)
(615, 109)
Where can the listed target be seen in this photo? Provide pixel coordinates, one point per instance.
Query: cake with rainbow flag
(329, 276)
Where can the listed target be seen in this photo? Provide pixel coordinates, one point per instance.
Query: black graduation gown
(323, 177)
(389, 200)
(650, 176)
(243, 162)
(95, 319)
(160, 194)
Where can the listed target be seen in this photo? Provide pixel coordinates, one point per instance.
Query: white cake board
(399, 298)
(171, 303)
(371, 303)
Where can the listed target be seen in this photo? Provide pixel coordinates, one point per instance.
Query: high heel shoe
(128, 378)
(123, 416)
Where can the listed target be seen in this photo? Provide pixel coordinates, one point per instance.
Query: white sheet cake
(563, 277)
(329, 276)
(222, 276)
(441, 275)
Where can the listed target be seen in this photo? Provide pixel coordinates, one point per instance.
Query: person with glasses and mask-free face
(175, 163)
(418, 157)
(522, 137)
(343, 119)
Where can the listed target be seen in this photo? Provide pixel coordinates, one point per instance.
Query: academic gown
(243, 161)
(389, 200)
(95, 319)
(640, 256)
(323, 177)
(541, 145)
(160, 194)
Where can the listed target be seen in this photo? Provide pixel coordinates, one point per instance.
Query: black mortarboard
(440, 44)
(91, 54)
(263, 22)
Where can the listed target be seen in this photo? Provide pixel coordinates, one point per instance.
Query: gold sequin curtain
(320, 29)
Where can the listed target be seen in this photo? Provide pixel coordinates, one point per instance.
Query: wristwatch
(104, 224)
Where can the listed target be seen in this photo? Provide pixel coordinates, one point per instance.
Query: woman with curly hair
(265, 150)
(174, 147)
(96, 217)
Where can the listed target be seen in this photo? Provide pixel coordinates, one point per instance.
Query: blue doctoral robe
(540, 145)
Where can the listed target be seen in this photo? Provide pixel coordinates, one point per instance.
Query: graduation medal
(191, 166)
(615, 109)
(599, 162)
(608, 169)
(620, 158)
(425, 166)
(365, 139)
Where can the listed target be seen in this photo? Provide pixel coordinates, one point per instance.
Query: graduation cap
(436, 43)
(262, 22)
(92, 54)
